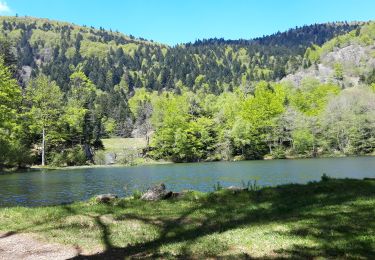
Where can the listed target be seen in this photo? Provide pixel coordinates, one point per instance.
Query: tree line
(275, 120)
(64, 88)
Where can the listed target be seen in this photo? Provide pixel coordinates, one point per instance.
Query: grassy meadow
(127, 151)
(333, 218)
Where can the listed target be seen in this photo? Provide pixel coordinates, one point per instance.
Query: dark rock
(157, 192)
(175, 195)
(105, 198)
(168, 195)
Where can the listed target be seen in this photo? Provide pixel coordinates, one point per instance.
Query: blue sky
(179, 21)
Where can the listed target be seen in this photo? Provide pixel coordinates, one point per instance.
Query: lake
(37, 188)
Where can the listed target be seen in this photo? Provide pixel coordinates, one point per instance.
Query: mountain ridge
(261, 38)
(107, 57)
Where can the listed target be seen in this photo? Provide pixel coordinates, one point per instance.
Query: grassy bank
(332, 218)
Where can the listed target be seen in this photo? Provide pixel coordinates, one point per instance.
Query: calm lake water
(35, 188)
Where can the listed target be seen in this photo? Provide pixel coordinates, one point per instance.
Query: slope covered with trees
(209, 100)
(108, 57)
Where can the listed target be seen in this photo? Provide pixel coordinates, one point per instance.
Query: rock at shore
(105, 198)
(235, 189)
(157, 192)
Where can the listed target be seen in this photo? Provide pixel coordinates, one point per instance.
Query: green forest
(63, 88)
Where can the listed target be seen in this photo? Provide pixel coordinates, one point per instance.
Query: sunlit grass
(119, 144)
(128, 151)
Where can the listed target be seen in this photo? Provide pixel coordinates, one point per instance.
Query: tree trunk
(44, 148)
(88, 152)
(147, 141)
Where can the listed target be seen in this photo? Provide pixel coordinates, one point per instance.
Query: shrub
(278, 153)
(250, 185)
(58, 159)
(128, 157)
(214, 157)
(69, 157)
(218, 186)
(239, 158)
(303, 141)
(137, 194)
(325, 177)
(99, 157)
(13, 153)
(75, 156)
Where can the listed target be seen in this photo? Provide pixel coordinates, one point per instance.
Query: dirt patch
(24, 246)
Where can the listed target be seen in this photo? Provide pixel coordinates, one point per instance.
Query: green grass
(119, 144)
(329, 219)
(128, 151)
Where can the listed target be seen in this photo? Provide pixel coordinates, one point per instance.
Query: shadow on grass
(337, 231)
(348, 233)
(337, 216)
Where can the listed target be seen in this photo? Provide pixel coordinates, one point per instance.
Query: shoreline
(162, 162)
(38, 167)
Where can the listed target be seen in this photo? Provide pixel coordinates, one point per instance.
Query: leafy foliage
(213, 99)
(12, 151)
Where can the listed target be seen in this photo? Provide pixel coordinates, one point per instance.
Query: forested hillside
(65, 87)
(106, 57)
